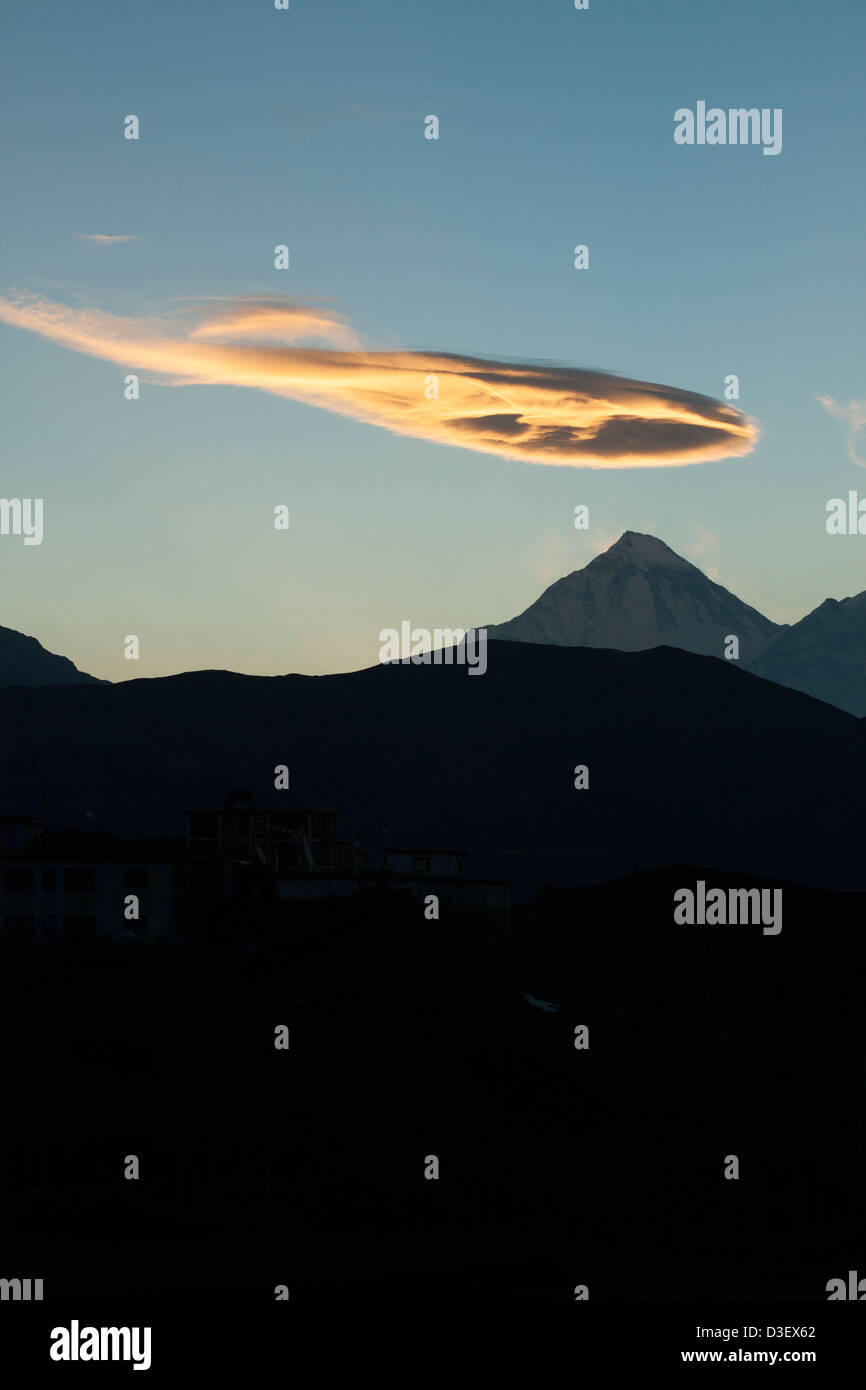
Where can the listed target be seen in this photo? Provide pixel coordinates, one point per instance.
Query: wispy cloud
(854, 415)
(97, 238)
(279, 319)
(704, 550)
(534, 412)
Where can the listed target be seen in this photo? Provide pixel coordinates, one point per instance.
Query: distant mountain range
(637, 595)
(824, 654)
(640, 594)
(24, 661)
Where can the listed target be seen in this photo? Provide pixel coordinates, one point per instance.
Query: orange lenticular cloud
(561, 416)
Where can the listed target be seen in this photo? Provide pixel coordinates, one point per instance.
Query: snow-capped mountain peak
(636, 595)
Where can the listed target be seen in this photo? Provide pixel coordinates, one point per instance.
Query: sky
(263, 387)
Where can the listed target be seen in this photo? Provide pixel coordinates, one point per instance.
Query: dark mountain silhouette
(690, 759)
(824, 654)
(24, 661)
(454, 1037)
(636, 595)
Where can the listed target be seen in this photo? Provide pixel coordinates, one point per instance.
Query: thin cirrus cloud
(854, 415)
(534, 412)
(98, 239)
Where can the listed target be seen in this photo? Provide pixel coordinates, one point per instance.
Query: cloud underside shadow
(533, 412)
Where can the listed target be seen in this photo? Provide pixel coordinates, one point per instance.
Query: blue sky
(306, 127)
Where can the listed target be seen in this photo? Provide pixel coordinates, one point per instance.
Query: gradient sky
(306, 127)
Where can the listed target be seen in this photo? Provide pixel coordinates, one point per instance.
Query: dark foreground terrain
(557, 1167)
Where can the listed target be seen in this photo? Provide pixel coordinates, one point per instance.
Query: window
(135, 879)
(49, 880)
(20, 926)
(18, 880)
(421, 864)
(79, 880)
